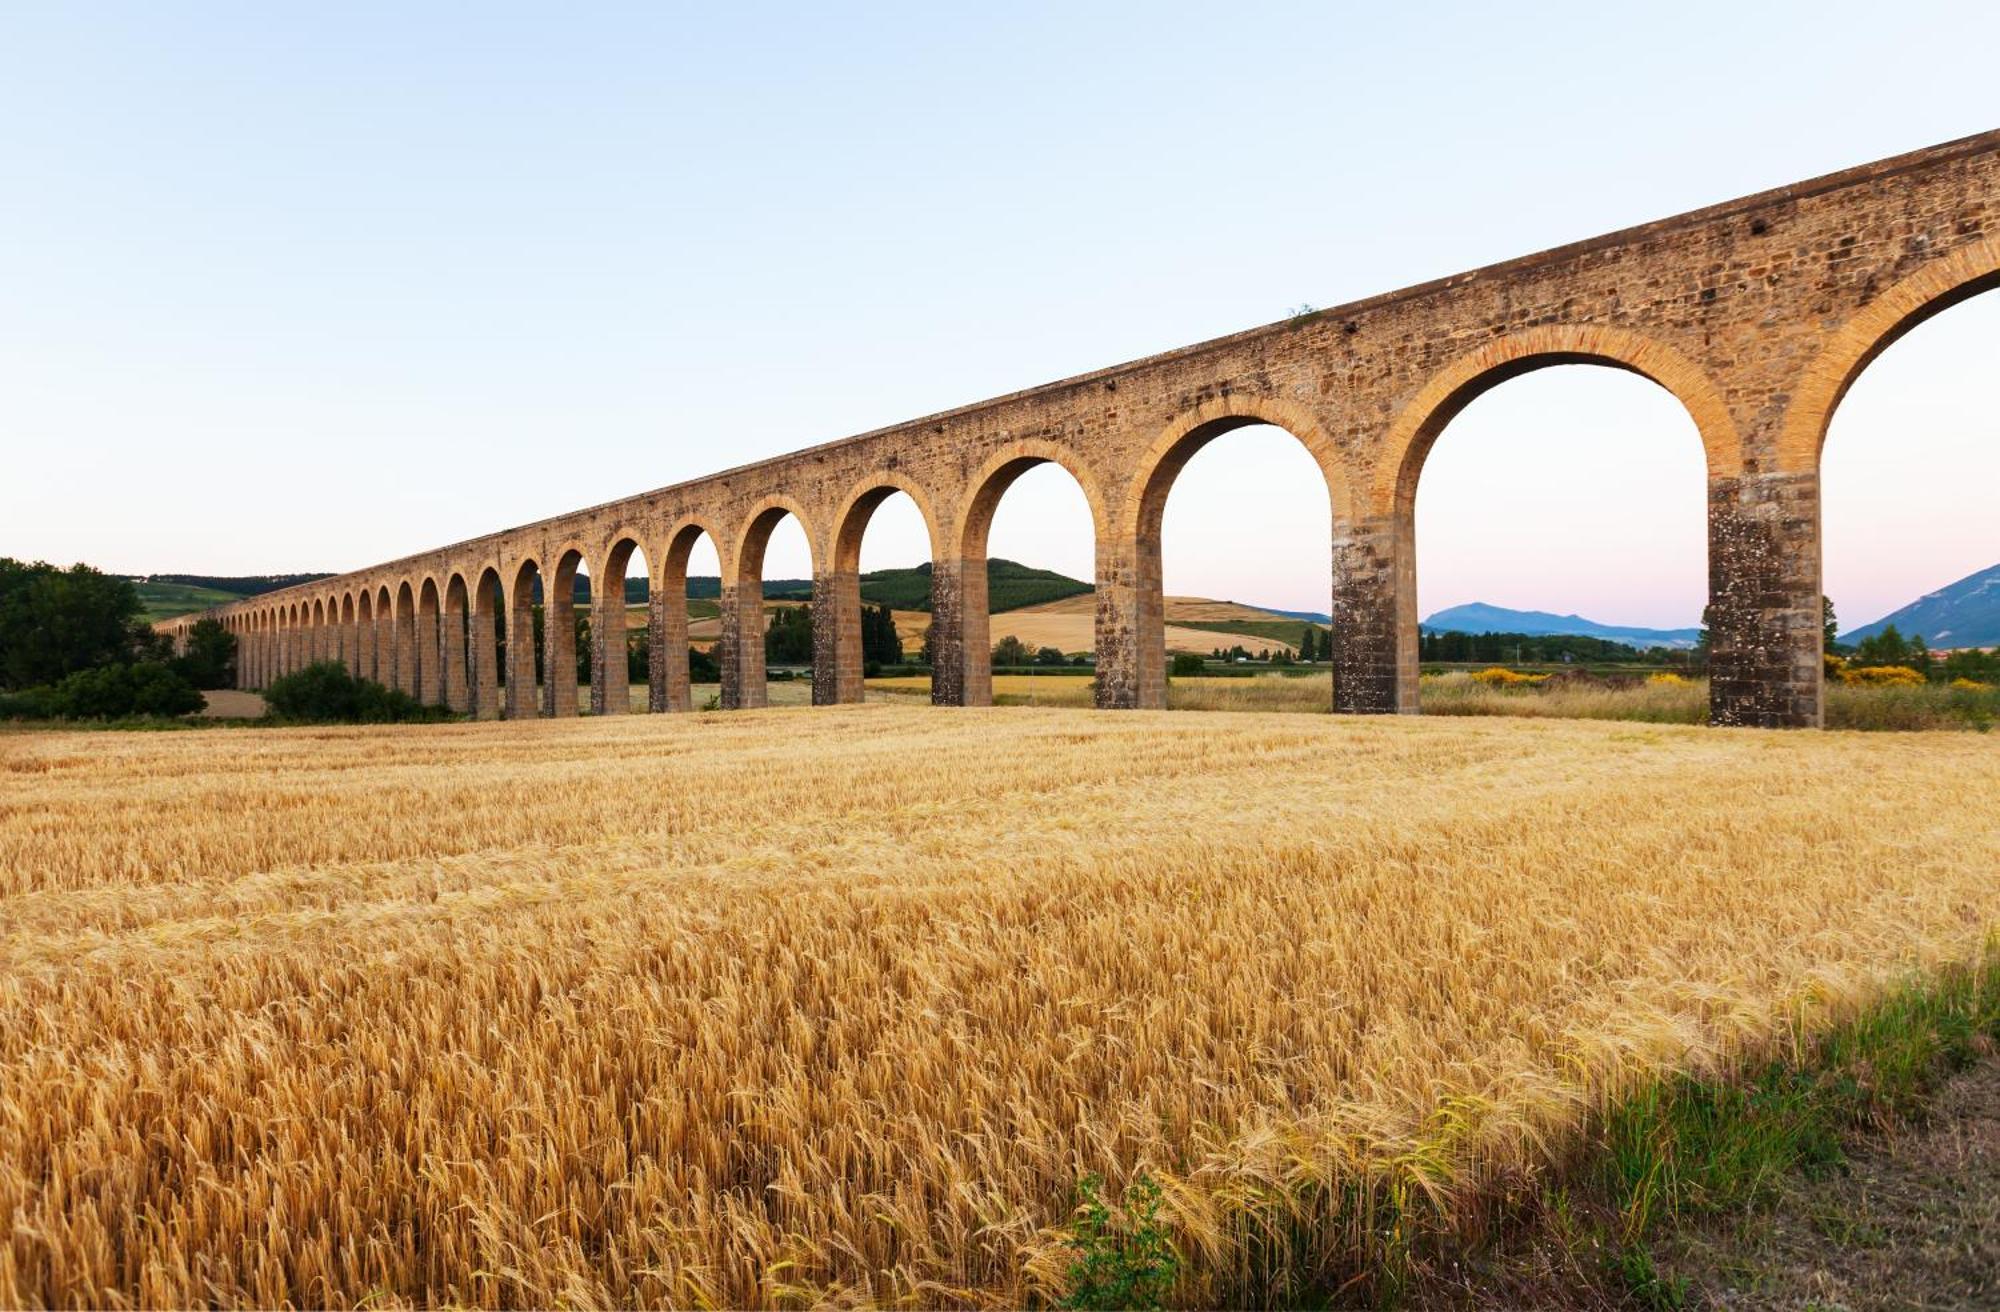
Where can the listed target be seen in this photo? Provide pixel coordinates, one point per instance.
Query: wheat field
(782, 1007)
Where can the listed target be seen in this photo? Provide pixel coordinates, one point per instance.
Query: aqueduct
(1755, 314)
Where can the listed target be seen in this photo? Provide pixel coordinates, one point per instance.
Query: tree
(880, 643)
(1829, 626)
(1186, 664)
(1010, 650)
(55, 622)
(210, 658)
(1050, 656)
(789, 639)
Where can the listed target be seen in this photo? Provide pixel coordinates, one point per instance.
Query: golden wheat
(764, 1008)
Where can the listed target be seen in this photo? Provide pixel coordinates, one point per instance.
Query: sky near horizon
(307, 288)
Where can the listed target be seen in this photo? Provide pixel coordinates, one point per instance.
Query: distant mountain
(1482, 618)
(1310, 616)
(1963, 614)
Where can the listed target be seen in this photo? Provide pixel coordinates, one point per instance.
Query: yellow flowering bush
(1667, 679)
(1883, 676)
(1499, 676)
(1970, 685)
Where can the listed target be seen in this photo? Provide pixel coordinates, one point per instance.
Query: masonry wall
(1755, 314)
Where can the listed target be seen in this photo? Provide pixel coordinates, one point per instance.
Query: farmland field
(769, 1007)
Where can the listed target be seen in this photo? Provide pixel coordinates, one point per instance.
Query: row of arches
(446, 636)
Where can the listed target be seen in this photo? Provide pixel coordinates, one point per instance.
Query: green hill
(163, 601)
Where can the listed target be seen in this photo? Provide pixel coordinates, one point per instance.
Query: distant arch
(668, 602)
(742, 645)
(610, 673)
(559, 629)
(522, 678)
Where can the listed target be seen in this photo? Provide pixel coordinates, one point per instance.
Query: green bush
(325, 692)
(1120, 1265)
(1186, 664)
(109, 692)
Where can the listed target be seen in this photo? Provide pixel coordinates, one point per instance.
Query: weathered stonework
(1756, 314)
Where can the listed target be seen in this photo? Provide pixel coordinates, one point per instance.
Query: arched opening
(364, 636)
(685, 598)
(560, 620)
(1027, 541)
(523, 658)
(1910, 459)
(767, 598)
(624, 633)
(1561, 530)
(349, 643)
(406, 638)
(316, 637)
(430, 663)
(1220, 600)
(452, 645)
(385, 638)
(486, 640)
(884, 547)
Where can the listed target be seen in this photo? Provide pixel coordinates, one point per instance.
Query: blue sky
(369, 278)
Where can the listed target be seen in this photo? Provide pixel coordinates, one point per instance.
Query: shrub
(1186, 665)
(111, 692)
(325, 692)
(1667, 679)
(1970, 685)
(1894, 676)
(1499, 676)
(1120, 1266)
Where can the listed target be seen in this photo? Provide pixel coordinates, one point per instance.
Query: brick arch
(612, 556)
(754, 534)
(983, 493)
(857, 508)
(1867, 333)
(1193, 428)
(677, 543)
(1393, 486)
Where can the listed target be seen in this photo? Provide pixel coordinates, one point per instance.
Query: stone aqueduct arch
(1756, 315)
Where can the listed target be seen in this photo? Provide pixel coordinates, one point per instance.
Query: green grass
(163, 601)
(1691, 1148)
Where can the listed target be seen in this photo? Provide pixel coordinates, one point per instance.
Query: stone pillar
(558, 656)
(406, 654)
(1120, 612)
(1375, 617)
(457, 695)
(741, 651)
(1764, 621)
(658, 697)
(429, 684)
(958, 588)
(610, 681)
(385, 648)
(484, 655)
(667, 661)
(522, 703)
(836, 616)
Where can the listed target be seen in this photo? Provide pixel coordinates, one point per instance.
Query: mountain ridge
(1483, 617)
(1964, 613)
